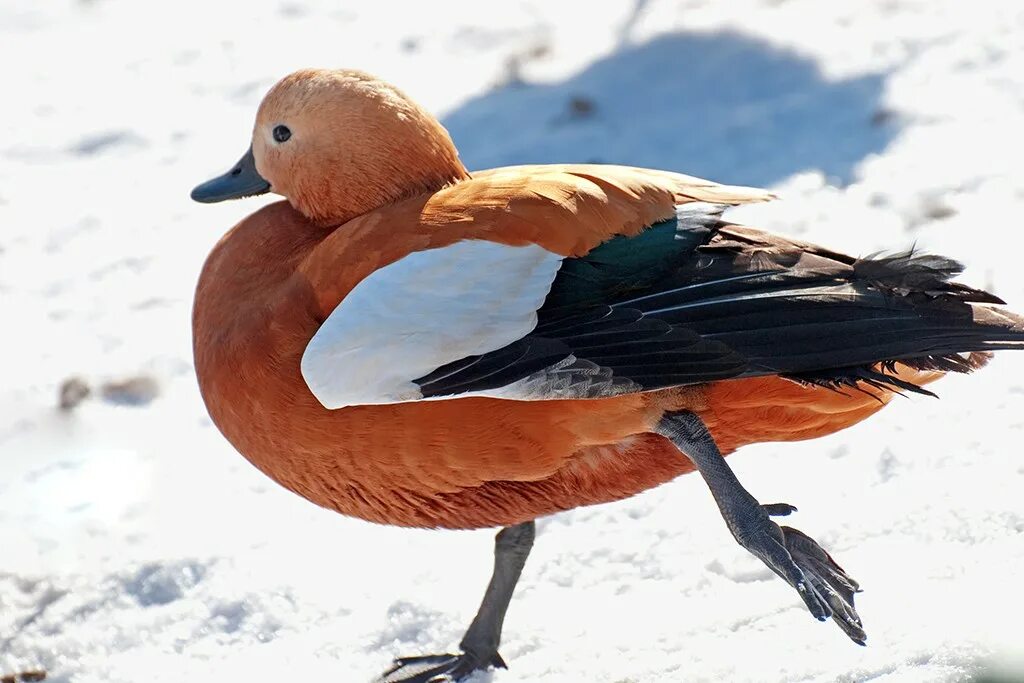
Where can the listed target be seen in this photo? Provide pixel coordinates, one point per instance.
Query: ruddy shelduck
(409, 343)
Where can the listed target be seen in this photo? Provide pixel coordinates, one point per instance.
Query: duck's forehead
(289, 97)
(316, 88)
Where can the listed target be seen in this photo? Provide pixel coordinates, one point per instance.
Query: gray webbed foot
(829, 580)
(445, 668)
(823, 585)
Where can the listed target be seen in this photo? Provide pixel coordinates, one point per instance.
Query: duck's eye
(281, 133)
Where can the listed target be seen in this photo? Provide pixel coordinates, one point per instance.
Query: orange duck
(409, 343)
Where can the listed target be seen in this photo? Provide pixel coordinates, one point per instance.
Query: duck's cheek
(267, 157)
(289, 183)
(275, 182)
(269, 170)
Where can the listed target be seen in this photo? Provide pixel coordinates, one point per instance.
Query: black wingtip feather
(877, 377)
(884, 376)
(912, 271)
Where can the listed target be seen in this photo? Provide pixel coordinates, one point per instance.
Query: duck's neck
(409, 161)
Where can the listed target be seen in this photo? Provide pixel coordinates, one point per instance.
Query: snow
(137, 546)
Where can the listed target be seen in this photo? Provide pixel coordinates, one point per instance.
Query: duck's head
(339, 143)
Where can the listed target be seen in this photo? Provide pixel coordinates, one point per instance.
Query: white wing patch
(430, 308)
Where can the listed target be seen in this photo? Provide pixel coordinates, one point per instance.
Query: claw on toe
(778, 509)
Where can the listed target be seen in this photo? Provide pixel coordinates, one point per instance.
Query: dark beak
(240, 181)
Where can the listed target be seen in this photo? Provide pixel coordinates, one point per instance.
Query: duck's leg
(797, 558)
(480, 644)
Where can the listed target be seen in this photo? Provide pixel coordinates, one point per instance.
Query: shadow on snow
(723, 106)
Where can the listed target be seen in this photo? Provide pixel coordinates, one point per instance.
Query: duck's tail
(953, 344)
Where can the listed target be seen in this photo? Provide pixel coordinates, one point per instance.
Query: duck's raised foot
(824, 586)
(445, 668)
(796, 557)
(831, 584)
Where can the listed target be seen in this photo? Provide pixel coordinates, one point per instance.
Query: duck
(409, 343)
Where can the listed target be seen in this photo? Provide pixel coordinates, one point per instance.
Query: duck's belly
(474, 463)
(597, 474)
(465, 463)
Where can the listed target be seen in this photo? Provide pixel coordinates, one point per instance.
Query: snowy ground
(136, 546)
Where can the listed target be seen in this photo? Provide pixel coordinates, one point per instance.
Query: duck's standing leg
(480, 644)
(797, 558)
